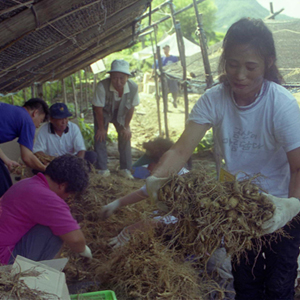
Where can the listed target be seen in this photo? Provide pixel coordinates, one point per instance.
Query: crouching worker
(36, 221)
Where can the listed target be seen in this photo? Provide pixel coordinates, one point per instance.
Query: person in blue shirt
(20, 122)
(166, 60)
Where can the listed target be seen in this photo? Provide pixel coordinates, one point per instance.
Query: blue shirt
(15, 122)
(166, 60)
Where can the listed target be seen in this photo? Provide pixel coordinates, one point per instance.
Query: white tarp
(171, 40)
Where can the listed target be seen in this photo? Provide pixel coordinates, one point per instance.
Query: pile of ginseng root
(165, 262)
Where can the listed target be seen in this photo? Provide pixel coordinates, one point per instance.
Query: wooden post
(32, 91)
(51, 92)
(86, 89)
(45, 91)
(12, 100)
(24, 95)
(75, 96)
(164, 91)
(94, 83)
(39, 88)
(203, 46)
(157, 96)
(80, 106)
(64, 90)
(181, 49)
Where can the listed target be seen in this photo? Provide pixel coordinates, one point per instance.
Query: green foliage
(87, 130)
(187, 19)
(206, 143)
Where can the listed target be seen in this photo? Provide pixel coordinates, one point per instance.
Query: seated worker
(35, 220)
(60, 136)
(20, 122)
(154, 151)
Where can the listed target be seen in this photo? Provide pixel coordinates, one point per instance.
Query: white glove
(87, 252)
(286, 209)
(109, 209)
(121, 239)
(153, 184)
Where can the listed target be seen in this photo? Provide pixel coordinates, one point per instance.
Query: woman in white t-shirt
(256, 124)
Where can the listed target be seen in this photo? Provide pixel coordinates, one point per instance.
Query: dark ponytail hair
(255, 33)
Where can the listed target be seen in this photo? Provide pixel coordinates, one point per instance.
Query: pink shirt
(26, 204)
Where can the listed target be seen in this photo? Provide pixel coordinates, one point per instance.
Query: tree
(187, 19)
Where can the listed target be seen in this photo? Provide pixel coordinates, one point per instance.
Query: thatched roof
(287, 40)
(44, 40)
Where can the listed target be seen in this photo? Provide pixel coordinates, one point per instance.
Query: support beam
(41, 13)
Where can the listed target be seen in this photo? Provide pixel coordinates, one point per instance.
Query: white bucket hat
(120, 65)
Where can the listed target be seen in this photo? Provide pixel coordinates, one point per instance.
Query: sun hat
(120, 65)
(59, 111)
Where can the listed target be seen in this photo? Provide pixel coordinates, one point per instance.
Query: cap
(144, 160)
(59, 111)
(120, 65)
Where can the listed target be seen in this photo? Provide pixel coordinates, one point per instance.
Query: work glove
(87, 252)
(109, 209)
(286, 209)
(121, 239)
(153, 184)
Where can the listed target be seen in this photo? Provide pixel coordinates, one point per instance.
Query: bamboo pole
(164, 91)
(32, 91)
(51, 92)
(24, 95)
(181, 49)
(75, 95)
(12, 100)
(86, 89)
(157, 95)
(64, 90)
(80, 82)
(203, 46)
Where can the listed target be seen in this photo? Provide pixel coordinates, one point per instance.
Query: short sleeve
(26, 136)
(99, 95)
(40, 141)
(136, 99)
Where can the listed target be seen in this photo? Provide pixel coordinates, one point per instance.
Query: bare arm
(129, 117)
(294, 161)
(8, 162)
(75, 240)
(133, 197)
(101, 132)
(31, 160)
(81, 153)
(174, 159)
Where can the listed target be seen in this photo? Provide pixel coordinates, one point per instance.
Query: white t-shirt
(253, 139)
(52, 144)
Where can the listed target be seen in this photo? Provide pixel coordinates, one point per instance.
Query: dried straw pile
(164, 263)
(211, 213)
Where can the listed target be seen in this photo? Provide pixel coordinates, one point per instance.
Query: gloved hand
(121, 239)
(109, 209)
(286, 210)
(153, 184)
(87, 252)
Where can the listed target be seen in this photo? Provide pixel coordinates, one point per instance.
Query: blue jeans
(270, 276)
(39, 243)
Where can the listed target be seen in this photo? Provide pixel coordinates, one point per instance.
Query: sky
(291, 7)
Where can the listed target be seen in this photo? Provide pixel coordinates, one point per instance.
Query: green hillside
(229, 11)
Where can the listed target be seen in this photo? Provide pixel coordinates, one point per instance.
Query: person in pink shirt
(36, 221)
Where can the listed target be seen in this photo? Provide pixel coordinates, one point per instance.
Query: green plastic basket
(101, 295)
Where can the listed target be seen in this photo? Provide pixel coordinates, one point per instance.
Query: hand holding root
(109, 209)
(286, 209)
(153, 184)
(121, 239)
